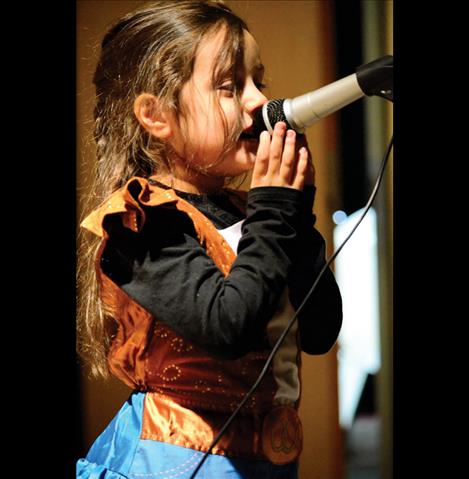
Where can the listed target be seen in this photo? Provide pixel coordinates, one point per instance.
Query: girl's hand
(280, 163)
(310, 172)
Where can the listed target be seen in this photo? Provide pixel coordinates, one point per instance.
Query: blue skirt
(119, 453)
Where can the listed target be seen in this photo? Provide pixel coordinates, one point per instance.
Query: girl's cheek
(229, 108)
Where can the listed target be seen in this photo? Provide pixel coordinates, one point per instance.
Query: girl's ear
(150, 116)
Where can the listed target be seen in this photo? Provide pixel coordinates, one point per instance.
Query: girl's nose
(253, 98)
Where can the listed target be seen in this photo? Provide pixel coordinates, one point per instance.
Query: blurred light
(356, 271)
(339, 216)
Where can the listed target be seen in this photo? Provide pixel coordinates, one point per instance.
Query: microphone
(373, 78)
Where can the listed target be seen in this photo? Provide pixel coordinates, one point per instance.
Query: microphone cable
(293, 318)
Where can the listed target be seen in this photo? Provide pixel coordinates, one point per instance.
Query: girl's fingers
(262, 158)
(288, 157)
(310, 173)
(279, 162)
(276, 147)
(301, 169)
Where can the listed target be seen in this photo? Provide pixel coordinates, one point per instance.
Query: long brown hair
(150, 50)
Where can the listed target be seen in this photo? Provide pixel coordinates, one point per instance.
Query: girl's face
(204, 127)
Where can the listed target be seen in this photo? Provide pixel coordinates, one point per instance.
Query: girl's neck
(198, 184)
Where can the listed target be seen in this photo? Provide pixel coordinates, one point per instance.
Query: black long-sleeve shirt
(166, 270)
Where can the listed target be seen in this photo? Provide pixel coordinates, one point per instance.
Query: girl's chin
(237, 167)
(250, 145)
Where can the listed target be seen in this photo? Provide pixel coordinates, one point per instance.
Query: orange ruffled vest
(190, 395)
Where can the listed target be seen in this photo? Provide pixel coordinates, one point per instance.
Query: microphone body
(374, 78)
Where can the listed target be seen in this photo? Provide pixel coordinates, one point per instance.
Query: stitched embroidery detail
(175, 471)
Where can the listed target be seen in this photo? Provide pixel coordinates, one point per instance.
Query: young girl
(189, 282)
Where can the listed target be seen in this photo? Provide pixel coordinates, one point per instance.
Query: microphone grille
(275, 112)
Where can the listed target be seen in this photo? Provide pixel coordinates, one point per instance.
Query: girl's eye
(227, 87)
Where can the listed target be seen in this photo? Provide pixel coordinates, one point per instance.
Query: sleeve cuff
(275, 194)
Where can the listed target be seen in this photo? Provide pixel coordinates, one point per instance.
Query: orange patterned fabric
(189, 394)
